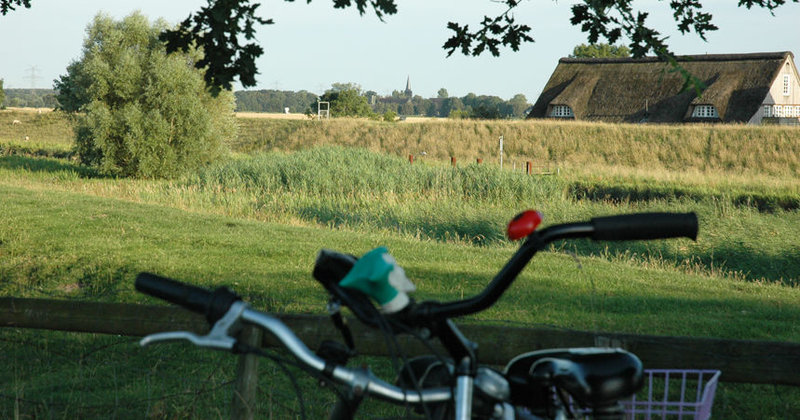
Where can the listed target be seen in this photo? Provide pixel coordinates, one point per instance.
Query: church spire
(408, 87)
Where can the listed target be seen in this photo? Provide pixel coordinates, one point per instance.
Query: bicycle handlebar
(216, 304)
(212, 304)
(624, 227)
(201, 300)
(645, 226)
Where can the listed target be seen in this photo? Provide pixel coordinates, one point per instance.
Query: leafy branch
(8, 5)
(494, 32)
(612, 19)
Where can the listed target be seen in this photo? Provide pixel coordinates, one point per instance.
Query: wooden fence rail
(758, 362)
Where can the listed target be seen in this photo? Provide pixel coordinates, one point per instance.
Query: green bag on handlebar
(378, 275)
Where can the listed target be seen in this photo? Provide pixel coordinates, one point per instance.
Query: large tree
(346, 101)
(217, 28)
(143, 113)
(519, 104)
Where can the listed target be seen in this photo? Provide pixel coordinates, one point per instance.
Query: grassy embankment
(254, 222)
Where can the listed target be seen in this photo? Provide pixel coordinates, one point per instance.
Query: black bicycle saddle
(594, 377)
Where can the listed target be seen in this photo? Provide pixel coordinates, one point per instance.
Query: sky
(311, 46)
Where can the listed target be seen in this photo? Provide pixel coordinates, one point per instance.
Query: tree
(389, 116)
(449, 105)
(407, 108)
(217, 27)
(600, 51)
(142, 113)
(484, 106)
(519, 103)
(2, 96)
(442, 93)
(341, 87)
(346, 103)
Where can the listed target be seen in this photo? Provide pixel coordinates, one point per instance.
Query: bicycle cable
(390, 339)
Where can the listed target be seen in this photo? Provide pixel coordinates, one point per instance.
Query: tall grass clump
(352, 187)
(356, 189)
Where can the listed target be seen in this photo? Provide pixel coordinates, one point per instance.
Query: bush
(142, 113)
(389, 116)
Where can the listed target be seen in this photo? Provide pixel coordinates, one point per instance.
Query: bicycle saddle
(594, 377)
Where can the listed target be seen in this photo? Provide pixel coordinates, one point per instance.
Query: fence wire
(60, 375)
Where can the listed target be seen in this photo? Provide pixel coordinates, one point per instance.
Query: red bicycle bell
(523, 224)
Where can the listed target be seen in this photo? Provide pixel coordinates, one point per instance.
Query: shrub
(142, 113)
(389, 116)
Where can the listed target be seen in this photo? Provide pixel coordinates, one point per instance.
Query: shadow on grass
(763, 202)
(481, 231)
(736, 260)
(729, 260)
(581, 307)
(47, 165)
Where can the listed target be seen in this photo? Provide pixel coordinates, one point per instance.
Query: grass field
(256, 221)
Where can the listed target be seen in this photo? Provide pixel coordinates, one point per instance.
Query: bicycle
(544, 384)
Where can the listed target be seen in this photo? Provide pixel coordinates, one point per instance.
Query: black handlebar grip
(645, 226)
(196, 299)
(331, 267)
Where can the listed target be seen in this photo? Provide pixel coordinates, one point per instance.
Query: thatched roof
(619, 89)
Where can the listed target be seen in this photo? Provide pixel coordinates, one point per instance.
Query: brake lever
(220, 337)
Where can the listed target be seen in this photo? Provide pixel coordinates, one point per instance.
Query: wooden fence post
(480, 161)
(453, 160)
(410, 158)
(244, 393)
(529, 167)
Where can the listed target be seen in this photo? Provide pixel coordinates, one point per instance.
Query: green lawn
(256, 222)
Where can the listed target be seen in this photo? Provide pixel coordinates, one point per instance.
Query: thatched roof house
(747, 88)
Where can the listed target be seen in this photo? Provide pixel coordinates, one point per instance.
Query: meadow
(290, 187)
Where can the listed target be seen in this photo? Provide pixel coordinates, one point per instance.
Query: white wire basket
(672, 394)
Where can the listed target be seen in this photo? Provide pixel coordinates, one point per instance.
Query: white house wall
(776, 96)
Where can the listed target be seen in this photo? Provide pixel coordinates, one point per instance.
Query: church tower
(408, 87)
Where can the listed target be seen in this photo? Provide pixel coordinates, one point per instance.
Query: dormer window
(705, 111)
(561, 111)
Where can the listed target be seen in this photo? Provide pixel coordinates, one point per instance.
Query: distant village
(756, 88)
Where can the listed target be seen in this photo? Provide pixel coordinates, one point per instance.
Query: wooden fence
(757, 362)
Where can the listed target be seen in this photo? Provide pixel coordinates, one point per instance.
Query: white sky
(313, 45)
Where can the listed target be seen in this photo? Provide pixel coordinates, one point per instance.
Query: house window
(777, 111)
(767, 111)
(705, 111)
(561, 111)
(786, 85)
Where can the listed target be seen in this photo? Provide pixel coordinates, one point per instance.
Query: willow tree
(142, 112)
